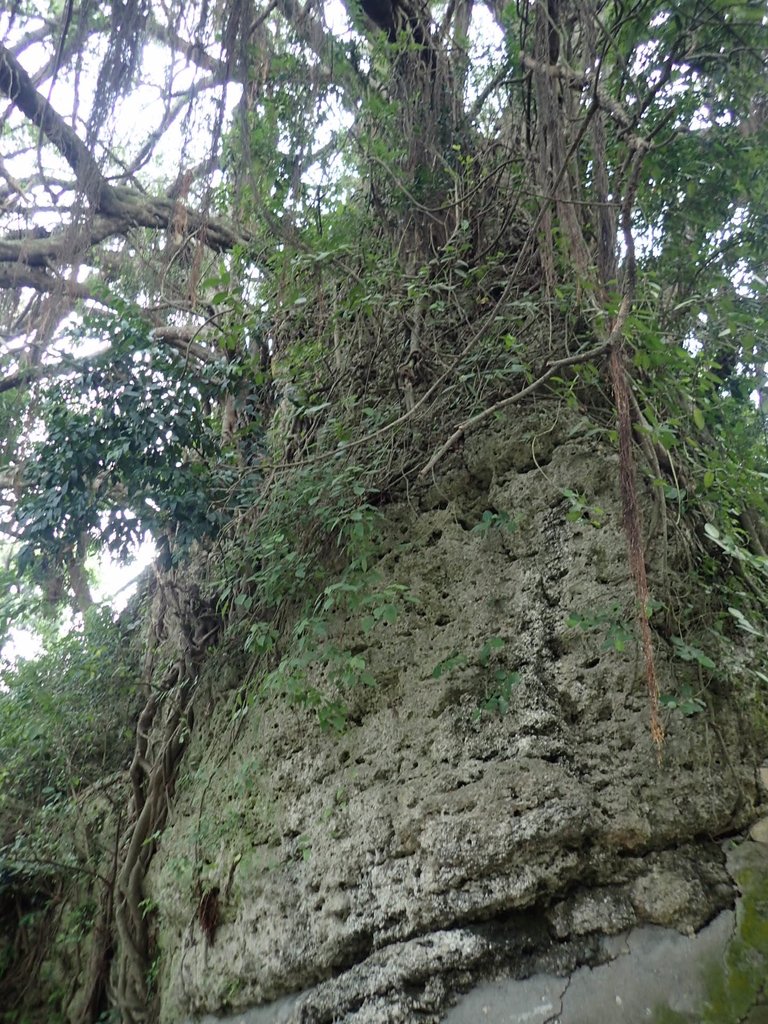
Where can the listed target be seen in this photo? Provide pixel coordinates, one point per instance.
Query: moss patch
(737, 985)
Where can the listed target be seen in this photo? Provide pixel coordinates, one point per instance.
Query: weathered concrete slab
(653, 966)
(279, 1012)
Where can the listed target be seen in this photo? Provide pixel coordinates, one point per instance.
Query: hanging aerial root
(632, 528)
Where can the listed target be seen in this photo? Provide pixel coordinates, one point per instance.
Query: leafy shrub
(66, 716)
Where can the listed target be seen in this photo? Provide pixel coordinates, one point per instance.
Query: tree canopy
(193, 196)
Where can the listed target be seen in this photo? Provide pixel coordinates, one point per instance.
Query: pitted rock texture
(382, 871)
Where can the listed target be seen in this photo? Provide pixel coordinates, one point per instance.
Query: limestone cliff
(495, 804)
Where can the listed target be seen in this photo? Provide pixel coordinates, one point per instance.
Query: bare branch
(37, 35)
(183, 340)
(29, 374)
(193, 52)
(122, 207)
(180, 339)
(59, 247)
(18, 87)
(170, 115)
(551, 370)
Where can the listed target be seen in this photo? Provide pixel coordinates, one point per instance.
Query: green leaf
(743, 623)
(447, 665)
(687, 652)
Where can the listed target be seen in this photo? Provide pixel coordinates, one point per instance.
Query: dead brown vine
(633, 530)
(208, 913)
(627, 473)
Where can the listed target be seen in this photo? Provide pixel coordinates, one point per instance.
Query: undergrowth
(300, 576)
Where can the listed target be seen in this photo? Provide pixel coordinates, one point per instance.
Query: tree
(245, 246)
(577, 118)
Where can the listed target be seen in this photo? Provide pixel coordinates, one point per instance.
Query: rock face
(373, 876)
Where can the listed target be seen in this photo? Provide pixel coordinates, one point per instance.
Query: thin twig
(462, 428)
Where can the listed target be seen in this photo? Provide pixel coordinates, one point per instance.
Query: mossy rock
(737, 985)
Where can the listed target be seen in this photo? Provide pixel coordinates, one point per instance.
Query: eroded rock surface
(373, 876)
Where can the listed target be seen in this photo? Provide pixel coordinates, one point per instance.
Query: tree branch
(32, 373)
(59, 247)
(183, 340)
(17, 275)
(18, 87)
(121, 206)
(193, 52)
(559, 364)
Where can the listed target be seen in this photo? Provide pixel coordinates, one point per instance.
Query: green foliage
(66, 716)
(447, 665)
(498, 682)
(357, 250)
(498, 694)
(312, 555)
(734, 545)
(394, 226)
(619, 632)
(743, 622)
(686, 701)
(152, 973)
(701, 415)
(493, 643)
(20, 606)
(127, 448)
(316, 669)
(580, 510)
(494, 521)
(687, 652)
(309, 522)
